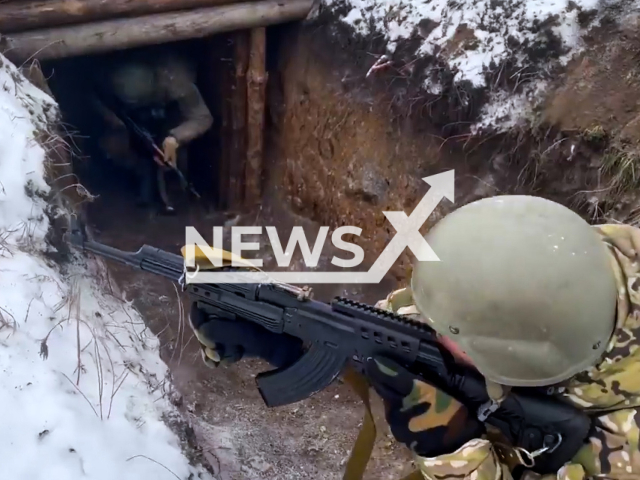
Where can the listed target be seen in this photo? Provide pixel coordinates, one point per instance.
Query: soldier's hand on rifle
(423, 417)
(170, 150)
(227, 341)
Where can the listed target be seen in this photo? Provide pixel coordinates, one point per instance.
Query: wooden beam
(238, 115)
(33, 14)
(256, 83)
(100, 37)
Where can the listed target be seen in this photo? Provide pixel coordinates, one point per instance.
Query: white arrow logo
(407, 235)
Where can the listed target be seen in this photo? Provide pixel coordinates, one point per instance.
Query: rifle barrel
(148, 259)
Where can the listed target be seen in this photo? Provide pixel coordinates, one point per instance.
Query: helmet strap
(497, 393)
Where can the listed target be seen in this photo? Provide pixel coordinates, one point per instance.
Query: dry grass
(616, 183)
(156, 462)
(622, 169)
(58, 141)
(541, 152)
(595, 135)
(4, 323)
(102, 341)
(530, 150)
(633, 217)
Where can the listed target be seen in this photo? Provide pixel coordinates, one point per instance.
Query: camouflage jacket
(153, 81)
(610, 391)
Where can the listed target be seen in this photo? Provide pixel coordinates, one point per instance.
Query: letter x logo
(408, 227)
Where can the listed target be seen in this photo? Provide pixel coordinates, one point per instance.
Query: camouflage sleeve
(475, 460)
(480, 458)
(197, 118)
(613, 449)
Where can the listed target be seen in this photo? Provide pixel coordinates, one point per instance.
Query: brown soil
(350, 147)
(602, 87)
(343, 149)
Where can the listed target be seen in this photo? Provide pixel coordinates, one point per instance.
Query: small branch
(28, 308)
(83, 395)
(115, 391)
(152, 460)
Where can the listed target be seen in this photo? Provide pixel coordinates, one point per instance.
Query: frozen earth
(478, 39)
(83, 390)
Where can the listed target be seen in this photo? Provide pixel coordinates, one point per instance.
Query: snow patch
(475, 36)
(508, 110)
(82, 387)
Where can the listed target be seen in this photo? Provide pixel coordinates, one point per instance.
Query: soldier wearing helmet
(158, 92)
(531, 295)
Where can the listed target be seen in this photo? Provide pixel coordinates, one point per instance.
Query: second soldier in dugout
(530, 295)
(158, 92)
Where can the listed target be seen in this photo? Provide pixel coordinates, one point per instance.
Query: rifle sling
(363, 446)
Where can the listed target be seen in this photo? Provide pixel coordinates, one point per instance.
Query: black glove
(426, 419)
(228, 341)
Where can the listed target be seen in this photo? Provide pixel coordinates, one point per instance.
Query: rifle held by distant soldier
(143, 138)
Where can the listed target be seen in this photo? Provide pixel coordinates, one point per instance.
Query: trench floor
(227, 424)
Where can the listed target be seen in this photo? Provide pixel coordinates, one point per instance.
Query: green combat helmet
(134, 83)
(524, 286)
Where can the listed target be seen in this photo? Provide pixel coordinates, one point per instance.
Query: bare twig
(154, 461)
(124, 375)
(80, 392)
(76, 300)
(98, 361)
(44, 348)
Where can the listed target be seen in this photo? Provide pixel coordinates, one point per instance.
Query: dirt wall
(347, 147)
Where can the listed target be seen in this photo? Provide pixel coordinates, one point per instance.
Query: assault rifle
(348, 332)
(144, 140)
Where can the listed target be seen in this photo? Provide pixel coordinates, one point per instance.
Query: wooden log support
(230, 173)
(33, 14)
(238, 123)
(223, 163)
(256, 85)
(120, 34)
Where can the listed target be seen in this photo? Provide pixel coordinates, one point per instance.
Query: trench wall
(345, 148)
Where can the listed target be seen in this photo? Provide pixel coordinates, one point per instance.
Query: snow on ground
(474, 36)
(82, 388)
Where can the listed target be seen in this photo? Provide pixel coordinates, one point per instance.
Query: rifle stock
(348, 332)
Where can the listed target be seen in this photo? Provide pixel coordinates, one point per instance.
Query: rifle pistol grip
(315, 370)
